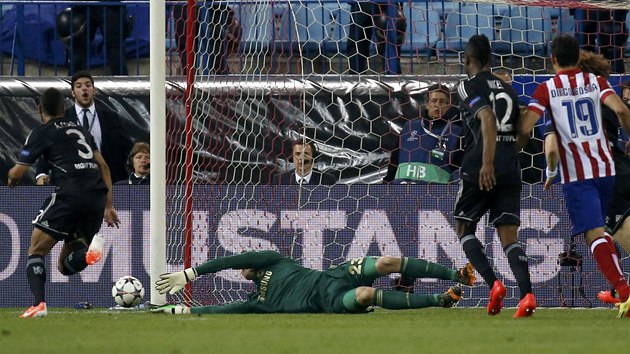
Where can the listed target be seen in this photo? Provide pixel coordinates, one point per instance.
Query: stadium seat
(336, 22)
(256, 25)
(303, 27)
(171, 36)
(554, 12)
(524, 31)
(461, 25)
(566, 22)
(315, 27)
(441, 7)
(423, 29)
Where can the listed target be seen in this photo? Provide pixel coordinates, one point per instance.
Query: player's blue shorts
(587, 202)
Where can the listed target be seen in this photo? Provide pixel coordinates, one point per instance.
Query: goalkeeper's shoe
(36, 311)
(624, 308)
(466, 274)
(526, 307)
(607, 297)
(172, 310)
(496, 298)
(95, 251)
(450, 297)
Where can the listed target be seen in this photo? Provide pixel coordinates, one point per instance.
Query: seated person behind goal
(284, 286)
(139, 163)
(303, 156)
(429, 147)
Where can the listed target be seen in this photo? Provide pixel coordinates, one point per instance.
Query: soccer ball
(128, 291)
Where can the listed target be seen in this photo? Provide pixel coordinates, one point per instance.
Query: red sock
(608, 264)
(611, 242)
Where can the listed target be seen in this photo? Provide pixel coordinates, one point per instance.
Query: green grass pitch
(457, 330)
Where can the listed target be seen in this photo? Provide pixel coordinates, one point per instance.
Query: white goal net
(257, 76)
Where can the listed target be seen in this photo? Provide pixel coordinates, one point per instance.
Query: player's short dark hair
(625, 84)
(478, 48)
(52, 102)
(79, 75)
(566, 50)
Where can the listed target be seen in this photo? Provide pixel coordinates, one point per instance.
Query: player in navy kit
(81, 200)
(490, 174)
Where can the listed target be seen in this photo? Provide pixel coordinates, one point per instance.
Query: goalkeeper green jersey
(284, 286)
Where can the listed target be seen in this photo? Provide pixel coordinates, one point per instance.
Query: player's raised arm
(174, 282)
(488, 120)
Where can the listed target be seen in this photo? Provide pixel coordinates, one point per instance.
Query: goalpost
(257, 75)
(158, 153)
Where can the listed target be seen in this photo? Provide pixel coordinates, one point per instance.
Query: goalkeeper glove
(172, 310)
(174, 282)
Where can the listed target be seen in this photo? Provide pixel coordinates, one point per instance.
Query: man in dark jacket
(103, 124)
(304, 153)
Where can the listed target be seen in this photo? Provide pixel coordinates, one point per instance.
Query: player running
(619, 210)
(574, 100)
(284, 286)
(74, 212)
(491, 174)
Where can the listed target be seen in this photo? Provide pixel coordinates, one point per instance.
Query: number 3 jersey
(573, 99)
(70, 151)
(475, 93)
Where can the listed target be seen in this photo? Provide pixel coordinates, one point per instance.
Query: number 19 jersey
(573, 99)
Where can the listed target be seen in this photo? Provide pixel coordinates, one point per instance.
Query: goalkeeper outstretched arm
(254, 260)
(174, 282)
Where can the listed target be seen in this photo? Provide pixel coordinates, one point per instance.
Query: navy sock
(74, 262)
(36, 276)
(520, 268)
(475, 254)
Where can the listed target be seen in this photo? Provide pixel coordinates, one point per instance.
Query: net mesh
(348, 76)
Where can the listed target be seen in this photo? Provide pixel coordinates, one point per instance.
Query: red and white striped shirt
(574, 100)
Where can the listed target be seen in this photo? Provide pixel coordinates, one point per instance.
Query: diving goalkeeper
(284, 286)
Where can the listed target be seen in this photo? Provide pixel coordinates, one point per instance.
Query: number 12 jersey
(487, 90)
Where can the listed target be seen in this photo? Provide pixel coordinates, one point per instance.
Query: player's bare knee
(364, 295)
(387, 265)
